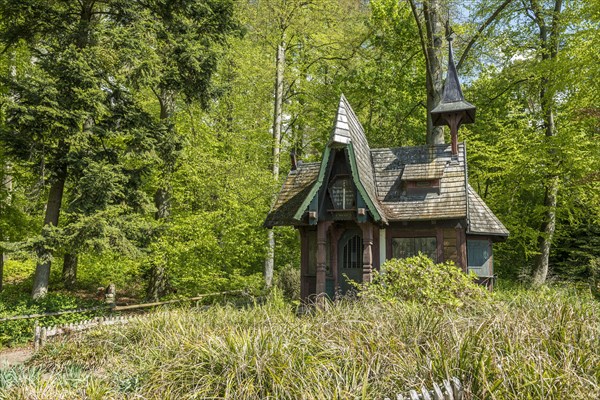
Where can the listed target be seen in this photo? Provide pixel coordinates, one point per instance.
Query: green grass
(518, 345)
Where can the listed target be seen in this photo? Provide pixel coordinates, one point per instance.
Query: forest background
(143, 141)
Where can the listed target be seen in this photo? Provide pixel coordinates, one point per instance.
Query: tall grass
(520, 345)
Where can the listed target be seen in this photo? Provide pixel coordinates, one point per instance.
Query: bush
(419, 279)
(14, 301)
(288, 280)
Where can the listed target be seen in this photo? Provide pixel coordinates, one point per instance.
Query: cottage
(360, 206)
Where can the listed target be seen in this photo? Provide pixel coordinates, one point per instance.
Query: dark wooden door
(350, 263)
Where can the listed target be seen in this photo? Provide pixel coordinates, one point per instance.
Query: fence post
(437, 392)
(36, 336)
(449, 390)
(110, 294)
(457, 388)
(43, 332)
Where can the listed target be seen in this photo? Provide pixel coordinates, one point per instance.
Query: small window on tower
(342, 194)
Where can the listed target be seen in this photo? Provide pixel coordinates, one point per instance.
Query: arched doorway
(350, 263)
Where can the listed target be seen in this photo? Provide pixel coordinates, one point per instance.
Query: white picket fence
(42, 333)
(449, 390)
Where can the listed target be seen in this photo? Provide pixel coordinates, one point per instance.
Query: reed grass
(518, 345)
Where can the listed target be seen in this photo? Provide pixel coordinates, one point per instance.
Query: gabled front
(345, 187)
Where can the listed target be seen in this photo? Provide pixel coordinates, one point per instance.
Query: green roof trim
(355, 178)
(359, 185)
(316, 186)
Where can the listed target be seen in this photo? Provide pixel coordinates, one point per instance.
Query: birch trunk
(2, 259)
(277, 119)
(7, 183)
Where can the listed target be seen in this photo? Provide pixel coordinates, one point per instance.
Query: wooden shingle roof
(294, 191)
(428, 162)
(381, 175)
(482, 220)
(360, 157)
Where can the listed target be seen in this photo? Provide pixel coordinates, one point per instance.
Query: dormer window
(422, 179)
(343, 194)
(422, 187)
(424, 184)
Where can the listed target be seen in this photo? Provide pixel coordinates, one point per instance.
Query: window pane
(478, 257)
(342, 194)
(427, 246)
(352, 253)
(409, 247)
(403, 247)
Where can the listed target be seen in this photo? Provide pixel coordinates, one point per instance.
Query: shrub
(13, 302)
(419, 279)
(288, 280)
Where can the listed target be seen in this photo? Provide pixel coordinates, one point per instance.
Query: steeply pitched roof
(380, 176)
(360, 160)
(348, 132)
(430, 162)
(453, 100)
(294, 191)
(482, 220)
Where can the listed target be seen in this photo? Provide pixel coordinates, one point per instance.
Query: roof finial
(452, 110)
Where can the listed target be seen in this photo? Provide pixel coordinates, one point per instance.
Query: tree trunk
(158, 280)
(42, 269)
(69, 272)
(433, 59)
(2, 259)
(549, 40)
(277, 119)
(158, 284)
(547, 229)
(7, 183)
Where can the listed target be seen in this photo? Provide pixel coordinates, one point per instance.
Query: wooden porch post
(322, 229)
(367, 231)
(303, 263)
(335, 238)
(461, 247)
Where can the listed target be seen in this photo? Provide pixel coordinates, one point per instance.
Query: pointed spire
(453, 110)
(341, 129)
(453, 100)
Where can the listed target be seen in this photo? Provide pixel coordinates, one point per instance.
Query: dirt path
(12, 357)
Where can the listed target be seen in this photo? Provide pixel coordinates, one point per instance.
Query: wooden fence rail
(56, 313)
(450, 389)
(113, 307)
(42, 333)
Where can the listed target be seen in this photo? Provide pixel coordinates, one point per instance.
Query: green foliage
(288, 281)
(419, 279)
(357, 349)
(14, 301)
(595, 277)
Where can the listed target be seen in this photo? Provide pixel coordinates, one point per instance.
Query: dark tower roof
(453, 101)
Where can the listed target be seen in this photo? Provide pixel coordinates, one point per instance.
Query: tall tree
(302, 36)
(183, 43)
(550, 27)
(534, 151)
(64, 105)
(430, 17)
